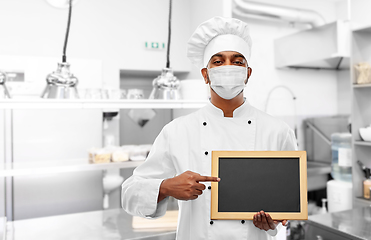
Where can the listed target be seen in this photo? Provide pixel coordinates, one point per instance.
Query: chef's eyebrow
(238, 55)
(234, 55)
(217, 55)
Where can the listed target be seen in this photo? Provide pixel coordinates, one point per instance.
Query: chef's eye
(238, 62)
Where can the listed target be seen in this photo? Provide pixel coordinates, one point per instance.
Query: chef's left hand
(264, 221)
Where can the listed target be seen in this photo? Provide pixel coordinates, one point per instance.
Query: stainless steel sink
(317, 174)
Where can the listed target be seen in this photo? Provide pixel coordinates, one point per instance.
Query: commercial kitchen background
(106, 49)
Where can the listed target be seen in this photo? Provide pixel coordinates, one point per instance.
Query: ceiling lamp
(61, 3)
(4, 93)
(166, 86)
(62, 83)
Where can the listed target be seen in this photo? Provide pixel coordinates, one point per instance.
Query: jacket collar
(239, 112)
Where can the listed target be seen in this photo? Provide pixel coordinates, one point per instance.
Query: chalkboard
(251, 181)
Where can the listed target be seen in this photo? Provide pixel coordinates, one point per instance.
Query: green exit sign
(155, 45)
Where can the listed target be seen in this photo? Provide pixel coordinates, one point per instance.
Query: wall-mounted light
(166, 85)
(62, 83)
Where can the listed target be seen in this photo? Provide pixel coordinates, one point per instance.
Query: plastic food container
(341, 167)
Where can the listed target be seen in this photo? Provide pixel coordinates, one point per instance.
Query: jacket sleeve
(289, 144)
(139, 193)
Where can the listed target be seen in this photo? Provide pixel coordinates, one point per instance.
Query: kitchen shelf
(362, 201)
(362, 143)
(100, 104)
(71, 165)
(365, 28)
(362, 85)
(361, 97)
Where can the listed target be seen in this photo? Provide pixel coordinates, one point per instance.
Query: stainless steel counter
(350, 224)
(107, 225)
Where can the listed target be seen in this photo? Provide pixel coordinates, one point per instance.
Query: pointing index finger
(208, 179)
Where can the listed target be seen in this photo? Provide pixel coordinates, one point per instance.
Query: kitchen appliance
(4, 93)
(341, 166)
(61, 83)
(330, 41)
(318, 146)
(339, 195)
(166, 86)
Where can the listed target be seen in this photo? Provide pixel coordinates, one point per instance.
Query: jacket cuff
(150, 190)
(272, 232)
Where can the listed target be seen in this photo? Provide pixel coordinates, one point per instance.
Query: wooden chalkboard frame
(301, 155)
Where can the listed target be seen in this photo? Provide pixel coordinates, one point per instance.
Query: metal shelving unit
(100, 104)
(362, 143)
(70, 165)
(73, 165)
(361, 109)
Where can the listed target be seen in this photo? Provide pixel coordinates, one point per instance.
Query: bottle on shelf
(367, 182)
(341, 146)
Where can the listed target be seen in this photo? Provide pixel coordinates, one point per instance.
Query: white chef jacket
(186, 144)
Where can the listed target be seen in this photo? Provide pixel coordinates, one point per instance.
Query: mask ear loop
(207, 74)
(247, 73)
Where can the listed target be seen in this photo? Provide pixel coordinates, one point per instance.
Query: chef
(179, 164)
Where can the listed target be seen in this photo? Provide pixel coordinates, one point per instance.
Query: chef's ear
(249, 71)
(205, 75)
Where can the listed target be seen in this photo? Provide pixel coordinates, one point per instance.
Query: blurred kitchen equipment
(341, 166)
(166, 86)
(62, 83)
(258, 10)
(134, 93)
(318, 146)
(323, 210)
(363, 73)
(113, 93)
(110, 183)
(339, 195)
(93, 93)
(4, 93)
(365, 133)
(194, 89)
(332, 43)
(140, 116)
(367, 181)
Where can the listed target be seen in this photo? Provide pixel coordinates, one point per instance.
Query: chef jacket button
(211, 222)
(209, 187)
(204, 123)
(206, 153)
(242, 221)
(249, 122)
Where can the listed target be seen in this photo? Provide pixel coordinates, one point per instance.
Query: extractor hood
(324, 47)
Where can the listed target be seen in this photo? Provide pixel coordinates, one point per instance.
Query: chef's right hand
(185, 186)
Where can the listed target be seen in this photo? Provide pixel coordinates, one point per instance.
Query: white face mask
(227, 81)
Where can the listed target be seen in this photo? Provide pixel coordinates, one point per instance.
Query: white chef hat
(216, 35)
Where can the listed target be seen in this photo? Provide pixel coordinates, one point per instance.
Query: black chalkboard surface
(273, 181)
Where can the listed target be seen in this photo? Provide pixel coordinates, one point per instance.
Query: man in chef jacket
(179, 164)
